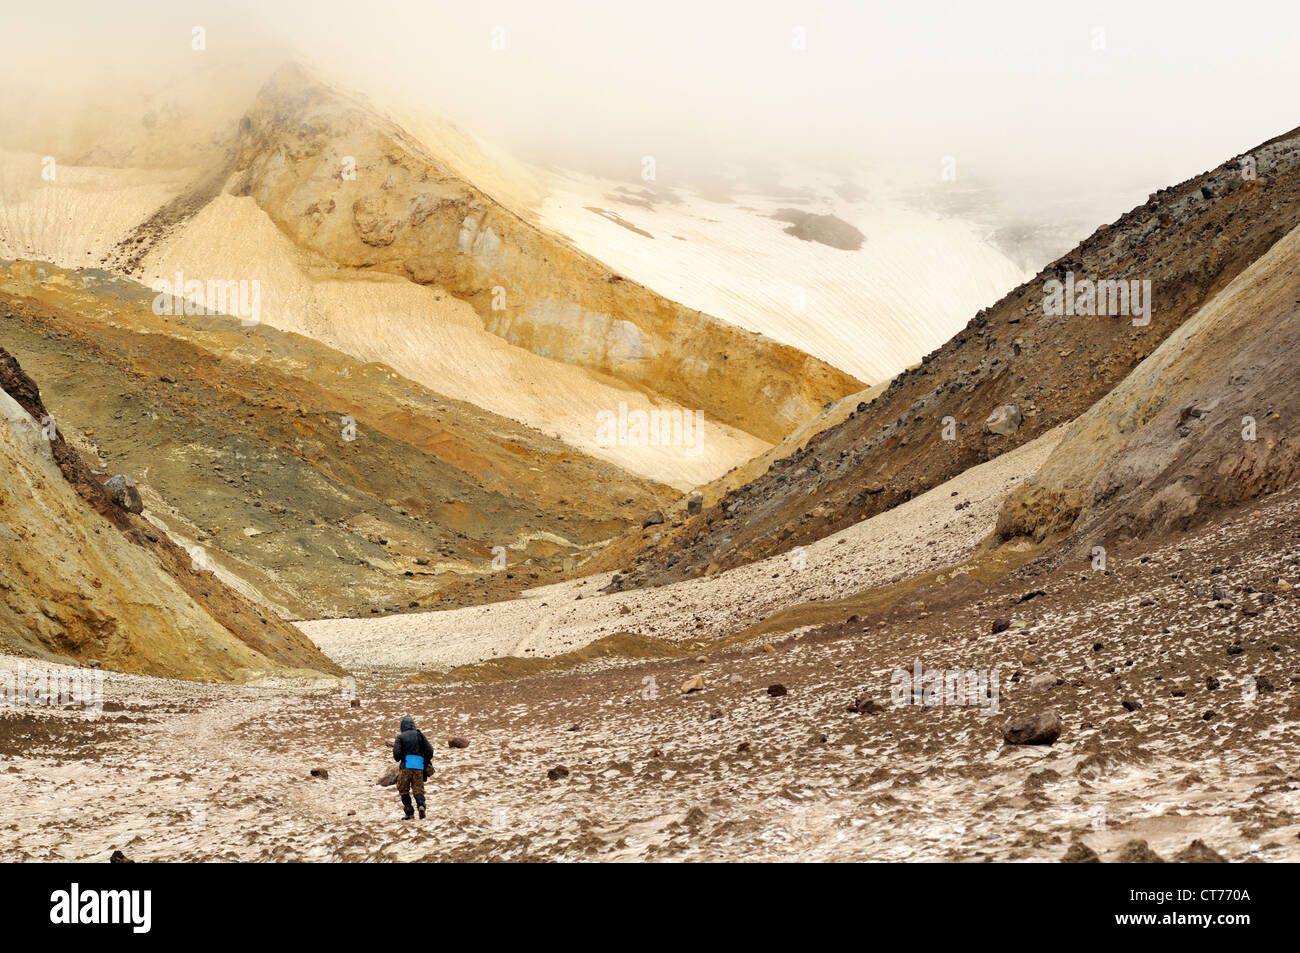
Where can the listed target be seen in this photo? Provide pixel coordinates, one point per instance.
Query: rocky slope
(1189, 241)
(84, 579)
(238, 441)
(1208, 421)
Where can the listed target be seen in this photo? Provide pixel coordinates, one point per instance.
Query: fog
(1103, 96)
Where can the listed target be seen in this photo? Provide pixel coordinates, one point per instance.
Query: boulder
(1005, 420)
(1040, 728)
(776, 691)
(458, 743)
(388, 779)
(321, 773)
(122, 491)
(652, 519)
(693, 684)
(559, 771)
(865, 705)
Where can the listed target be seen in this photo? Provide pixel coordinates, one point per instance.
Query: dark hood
(408, 724)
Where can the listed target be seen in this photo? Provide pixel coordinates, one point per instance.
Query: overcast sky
(1124, 93)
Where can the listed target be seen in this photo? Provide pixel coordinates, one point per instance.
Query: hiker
(412, 752)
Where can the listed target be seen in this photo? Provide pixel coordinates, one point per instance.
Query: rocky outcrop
(360, 192)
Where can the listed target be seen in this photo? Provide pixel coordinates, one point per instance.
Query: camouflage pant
(411, 781)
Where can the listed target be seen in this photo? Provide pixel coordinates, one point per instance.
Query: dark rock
(1198, 853)
(694, 504)
(120, 858)
(321, 773)
(1000, 625)
(560, 771)
(458, 742)
(1040, 728)
(865, 705)
(776, 691)
(1131, 704)
(1211, 683)
(388, 779)
(1080, 853)
(1138, 852)
(652, 519)
(1264, 684)
(356, 703)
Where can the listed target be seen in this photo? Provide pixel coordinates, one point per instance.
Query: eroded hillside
(396, 208)
(1207, 422)
(1189, 241)
(239, 440)
(85, 580)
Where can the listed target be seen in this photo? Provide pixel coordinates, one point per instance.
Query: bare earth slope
(1190, 241)
(83, 579)
(1207, 421)
(237, 439)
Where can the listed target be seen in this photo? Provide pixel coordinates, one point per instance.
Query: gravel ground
(1203, 623)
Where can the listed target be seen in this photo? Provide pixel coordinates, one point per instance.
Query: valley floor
(938, 528)
(1202, 630)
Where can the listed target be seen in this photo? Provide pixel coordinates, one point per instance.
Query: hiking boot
(421, 812)
(407, 817)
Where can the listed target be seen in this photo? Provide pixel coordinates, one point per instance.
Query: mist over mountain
(795, 431)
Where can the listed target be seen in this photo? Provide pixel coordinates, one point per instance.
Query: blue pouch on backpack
(415, 762)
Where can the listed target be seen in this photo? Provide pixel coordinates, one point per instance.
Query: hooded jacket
(412, 741)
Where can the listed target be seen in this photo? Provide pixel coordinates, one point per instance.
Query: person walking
(412, 752)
